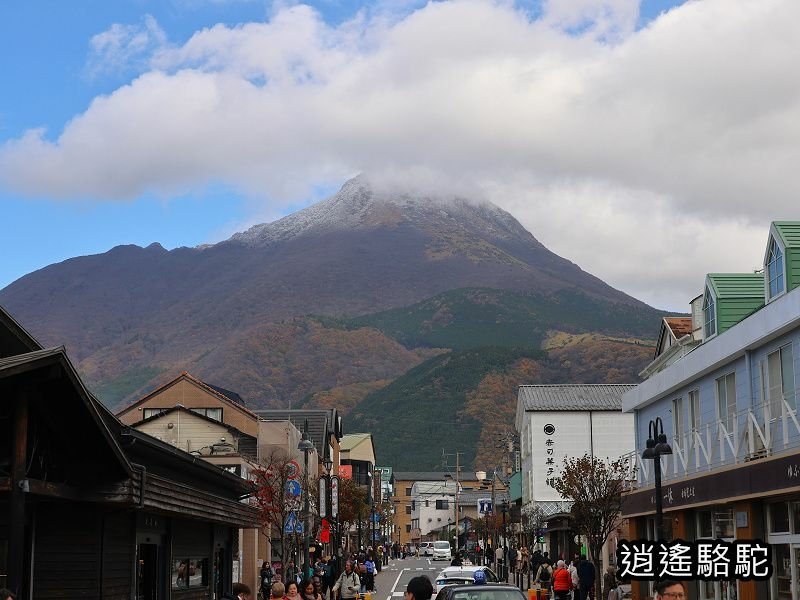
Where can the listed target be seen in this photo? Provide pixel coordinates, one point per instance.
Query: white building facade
(556, 422)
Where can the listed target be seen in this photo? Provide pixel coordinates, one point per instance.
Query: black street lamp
(306, 446)
(657, 447)
(504, 510)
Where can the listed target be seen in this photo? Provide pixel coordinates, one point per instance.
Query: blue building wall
(748, 395)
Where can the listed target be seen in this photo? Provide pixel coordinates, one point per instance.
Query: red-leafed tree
(595, 487)
(272, 479)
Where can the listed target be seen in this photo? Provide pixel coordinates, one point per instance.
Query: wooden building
(197, 416)
(90, 508)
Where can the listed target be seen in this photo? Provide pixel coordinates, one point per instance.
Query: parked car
(426, 548)
(480, 592)
(442, 551)
(462, 575)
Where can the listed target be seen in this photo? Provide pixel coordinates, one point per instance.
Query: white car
(461, 575)
(442, 551)
(426, 548)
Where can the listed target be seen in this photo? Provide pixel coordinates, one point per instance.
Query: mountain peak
(364, 203)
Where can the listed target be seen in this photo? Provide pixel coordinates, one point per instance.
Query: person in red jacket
(562, 581)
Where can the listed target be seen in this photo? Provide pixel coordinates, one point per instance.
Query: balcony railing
(762, 430)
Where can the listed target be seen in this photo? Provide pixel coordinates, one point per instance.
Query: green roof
(789, 232)
(736, 285)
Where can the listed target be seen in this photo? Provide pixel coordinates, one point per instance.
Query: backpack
(545, 574)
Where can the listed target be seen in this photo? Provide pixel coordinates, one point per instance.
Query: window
(780, 375)
(408, 509)
(189, 573)
(726, 400)
(694, 410)
(779, 517)
(408, 491)
(408, 528)
(413, 505)
(211, 413)
(775, 278)
(704, 527)
(677, 422)
(709, 314)
(442, 504)
(152, 412)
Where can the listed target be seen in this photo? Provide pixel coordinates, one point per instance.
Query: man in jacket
(586, 578)
(348, 584)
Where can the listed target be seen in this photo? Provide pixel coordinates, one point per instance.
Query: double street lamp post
(306, 446)
(656, 447)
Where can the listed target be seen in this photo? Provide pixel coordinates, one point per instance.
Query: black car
(480, 592)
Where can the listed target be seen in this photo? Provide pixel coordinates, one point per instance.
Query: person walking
(277, 591)
(369, 564)
(498, 557)
(348, 584)
(544, 577)
(562, 581)
(265, 576)
(308, 591)
(610, 584)
(239, 591)
(586, 578)
(6, 594)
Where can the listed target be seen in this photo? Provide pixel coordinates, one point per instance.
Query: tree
(533, 521)
(595, 488)
(353, 507)
(272, 478)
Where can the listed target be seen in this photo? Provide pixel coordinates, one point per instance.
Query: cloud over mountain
(573, 111)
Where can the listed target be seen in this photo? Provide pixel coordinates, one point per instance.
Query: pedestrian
(369, 566)
(456, 562)
(277, 591)
(562, 581)
(544, 576)
(308, 591)
(610, 584)
(292, 591)
(586, 577)
(667, 589)
(6, 594)
(419, 588)
(265, 576)
(498, 556)
(546, 558)
(318, 587)
(573, 572)
(525, 558)
(348, 584)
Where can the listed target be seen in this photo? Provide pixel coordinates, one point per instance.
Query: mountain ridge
(249, 313)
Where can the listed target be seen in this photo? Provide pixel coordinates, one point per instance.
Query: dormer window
(709, 314)
(776, 284)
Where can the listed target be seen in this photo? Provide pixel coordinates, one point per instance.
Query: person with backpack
(562, 581)
(544, 577)
(348, 584)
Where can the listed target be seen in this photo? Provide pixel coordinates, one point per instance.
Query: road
(391, 582)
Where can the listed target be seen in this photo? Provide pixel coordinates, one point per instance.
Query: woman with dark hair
(292, 591)
(307, 591)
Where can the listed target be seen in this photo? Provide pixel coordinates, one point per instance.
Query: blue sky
(52, 74)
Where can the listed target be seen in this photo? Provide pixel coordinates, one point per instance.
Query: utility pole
(456, 479)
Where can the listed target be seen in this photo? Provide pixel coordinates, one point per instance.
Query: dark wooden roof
(14, 339)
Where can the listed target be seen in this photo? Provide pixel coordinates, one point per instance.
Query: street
(392, 580)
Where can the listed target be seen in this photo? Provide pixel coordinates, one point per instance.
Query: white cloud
(122, 47)
(668, 143)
